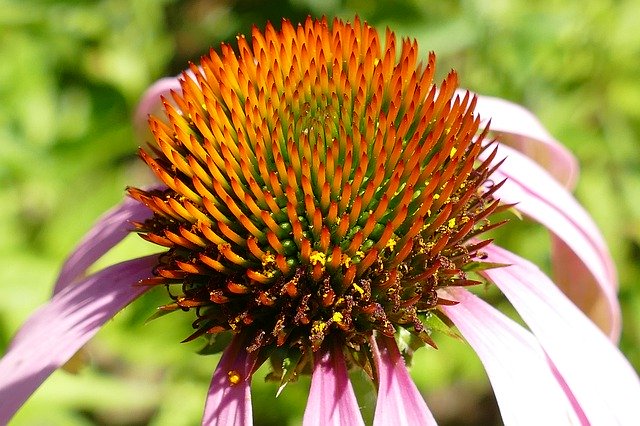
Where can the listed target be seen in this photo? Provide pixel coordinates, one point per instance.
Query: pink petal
(229, 401)
(519, 128)
(151, 104)
(59, 328)
(521, 378)
(572, 399)
(108, 231)
(578, 283)
(399, 401)
(540, 197)
(331, 397)
(599, 377)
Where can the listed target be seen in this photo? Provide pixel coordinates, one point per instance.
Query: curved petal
(151, 104)
(399, 401)
(331, 397)
(229, 398)
(572, 399)
(108, 231)
(59, 328)
(540, 197)
(602, 381)
(521, 378)
(579, 284)
(519, 128)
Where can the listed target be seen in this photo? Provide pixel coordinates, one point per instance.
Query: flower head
(300, 206)
(318, 196)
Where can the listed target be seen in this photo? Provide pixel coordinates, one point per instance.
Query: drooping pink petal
(65, 323)
(108, 231)
(151, 104)
(229, 398)
(579, 284)
(582, 418)
(519, 128)
(602, 381)
(399, 401)
(331, 397)
(520, 375)
(541, 198)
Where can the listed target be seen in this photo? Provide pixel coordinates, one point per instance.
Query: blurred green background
(71, 73)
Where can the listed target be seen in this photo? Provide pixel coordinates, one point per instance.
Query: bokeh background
(71, 73)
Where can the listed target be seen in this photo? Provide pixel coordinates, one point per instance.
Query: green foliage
(72, 72)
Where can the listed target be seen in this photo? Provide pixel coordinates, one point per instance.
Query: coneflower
(318, 196)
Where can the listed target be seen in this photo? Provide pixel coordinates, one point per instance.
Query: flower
(318, 196)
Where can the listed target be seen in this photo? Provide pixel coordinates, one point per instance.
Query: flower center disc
(317, 183)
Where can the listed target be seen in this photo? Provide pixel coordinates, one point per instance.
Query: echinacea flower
(317, 196)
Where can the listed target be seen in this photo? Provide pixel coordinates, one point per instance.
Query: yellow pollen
(337, 317)
(358, 289)
(268, 259)
(234, 377)
(319, 326)
(453, 152)
(436, 196)
(391, 244)
(317, 257)
(452, 222)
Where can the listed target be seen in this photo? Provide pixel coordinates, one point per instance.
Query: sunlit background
(71, 73)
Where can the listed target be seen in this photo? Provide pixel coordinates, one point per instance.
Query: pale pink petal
(399, 401)
(108, 231)
(331, 397)
(59, 328)
(519, 128)
(582, 418)
(520, 375)
(579, 284)
(151, 104)
(602, 381)
(541, 198)
(229, 398)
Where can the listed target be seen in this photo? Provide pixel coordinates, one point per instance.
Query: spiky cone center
(317, 184)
